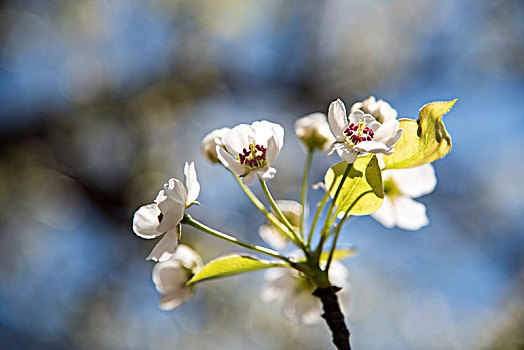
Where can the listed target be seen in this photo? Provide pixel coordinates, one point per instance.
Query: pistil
(359, 132)
(253, 157)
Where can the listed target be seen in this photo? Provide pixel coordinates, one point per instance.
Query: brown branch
(333, 316)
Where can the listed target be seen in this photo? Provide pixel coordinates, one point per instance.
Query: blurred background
(102, 101)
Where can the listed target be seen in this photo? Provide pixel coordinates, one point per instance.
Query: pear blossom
(400, 187)
(360, 132)
(251, 149)
(165, 214)
(295, 291)
(292, 211)
(170, 277)
(313, 130)
(380, 110)
(210, 142)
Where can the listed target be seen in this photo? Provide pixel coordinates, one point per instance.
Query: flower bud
(313, 130)
(209, 143)
(381, 110)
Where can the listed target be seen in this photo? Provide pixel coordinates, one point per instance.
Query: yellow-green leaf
(231, 265)
(424, 140)
(339, 254)
(362, 191)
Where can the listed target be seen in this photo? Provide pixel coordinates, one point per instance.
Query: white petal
(145, 221)
(385, 214)
(410, 214)
(268, 174)
(386, 131)
(169, 276)
(210, 141)
(165, 248)
(229, 162)
(414, 182)
(394, 139)
(172, 217)
(264, 130)
(292, 210)
(355, 116)
(371, 147)
(192, 185)
(337, 118)
(347, 153)
(248, 179)
(188, 257)
(174, 299)
(338, 274)
(273, 236)
(272, 150)
(238, 138)
(175, 190)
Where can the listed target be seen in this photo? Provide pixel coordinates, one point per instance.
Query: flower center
(254, 157)
(359, 132)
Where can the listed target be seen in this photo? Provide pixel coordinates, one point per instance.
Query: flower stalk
(188, 220)
(303, 192)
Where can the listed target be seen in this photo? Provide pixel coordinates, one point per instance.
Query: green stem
(262, 208)
(334, 245)
(281, 216)
(188, 220)
(303, 192)
(317, 216)
(323, 233)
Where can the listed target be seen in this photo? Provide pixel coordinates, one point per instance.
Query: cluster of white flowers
(249, 151)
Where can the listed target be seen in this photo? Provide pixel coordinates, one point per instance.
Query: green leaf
(232, 265)
(339, 254)
(362, 191)
(424, 140)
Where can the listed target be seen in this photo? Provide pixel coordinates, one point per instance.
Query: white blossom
(313, 130)
(380, 110)
(251, 149)
(292, 211)
(210, 142)
(170, 277)
(164, 215)
(400, 187)
(360, 133)
(288, 286)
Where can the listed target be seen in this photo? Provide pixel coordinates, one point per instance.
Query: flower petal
(192, 184)
(248, 179)
(272, 150)
(347, 153)
(264, 130)
(169, 276)
(268, 173)
(176, 193)
(337, 118)
(188, 257)
(393, 140)
(174, 299)
(229, 162)
(371, 147)
(385, 214)
(272, 236)
(145, 221)
(238, 138)
(165, 248)
(172, 217)
(414, 182)
(409, 214)
(386, 131)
